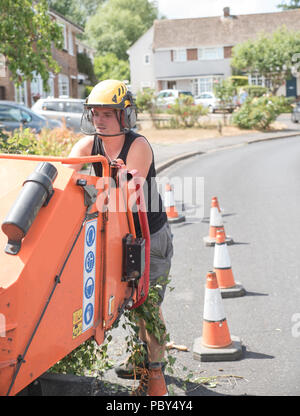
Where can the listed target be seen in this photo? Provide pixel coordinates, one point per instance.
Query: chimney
(226, 11)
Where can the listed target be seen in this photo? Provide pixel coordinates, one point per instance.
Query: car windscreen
(185, 93)
(63, 106)
(53, 106)
(71, 107)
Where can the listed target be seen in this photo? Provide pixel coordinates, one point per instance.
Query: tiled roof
(220, 31)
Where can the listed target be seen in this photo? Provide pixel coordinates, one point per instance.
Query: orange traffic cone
(216, 344)
(216, 202)
(170, 206)
(215, 332)
(215, 224)
(223, 270)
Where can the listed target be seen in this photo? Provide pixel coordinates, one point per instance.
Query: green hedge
(260, 112)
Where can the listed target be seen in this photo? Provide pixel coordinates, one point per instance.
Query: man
(108, 119)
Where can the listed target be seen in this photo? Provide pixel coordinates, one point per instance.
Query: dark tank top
(155, 210)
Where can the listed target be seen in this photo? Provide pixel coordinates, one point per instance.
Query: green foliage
(255, 90)
(86, 66)
(117, 24)
(26, 36)
(110, 67)
(84, 360)
(269, 55)
(76, 10)
(145, 100)
(239, 80)
(89, 358)
(186, 114)
(292, 4)
(259, 113)
(87, 90)
(225, 92)
(284, 104)
(56, 142)
(149, 313)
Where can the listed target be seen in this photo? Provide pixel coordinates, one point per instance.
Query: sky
(178, 9)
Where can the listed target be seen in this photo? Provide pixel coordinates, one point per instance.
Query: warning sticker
(88, 307)
(77, 323)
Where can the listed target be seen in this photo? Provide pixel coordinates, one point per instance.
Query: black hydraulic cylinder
(36, 192)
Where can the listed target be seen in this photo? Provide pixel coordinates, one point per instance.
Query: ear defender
(130, 113)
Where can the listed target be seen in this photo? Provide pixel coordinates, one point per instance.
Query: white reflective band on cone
(169, 199)
(213, 306)
(221, 257)
(215, 217)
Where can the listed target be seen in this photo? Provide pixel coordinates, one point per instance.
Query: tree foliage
(76, 10)
(26, 34)
(269, 55)
(292, 4)
(85, 65)
(109, 66)
(117, 24)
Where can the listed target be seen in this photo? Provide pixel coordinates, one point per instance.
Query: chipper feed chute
(70, 261)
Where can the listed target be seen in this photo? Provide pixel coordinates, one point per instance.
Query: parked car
(295, 116)
(208, 99)
(14, 115)
(64, 109)
(168, 97)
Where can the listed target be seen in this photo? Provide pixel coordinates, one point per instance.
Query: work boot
(131, 370)
(152, 382)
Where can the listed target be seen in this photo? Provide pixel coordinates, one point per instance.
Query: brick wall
(67, 63)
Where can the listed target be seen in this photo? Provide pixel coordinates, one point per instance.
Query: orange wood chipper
(71, 262)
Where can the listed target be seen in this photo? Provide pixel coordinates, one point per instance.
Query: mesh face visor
(87, 126)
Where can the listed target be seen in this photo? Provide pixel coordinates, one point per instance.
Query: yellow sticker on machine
(77, 323)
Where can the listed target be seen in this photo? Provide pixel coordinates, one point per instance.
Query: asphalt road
(258, 188)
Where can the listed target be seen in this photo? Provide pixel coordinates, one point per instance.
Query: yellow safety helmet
(111, 94)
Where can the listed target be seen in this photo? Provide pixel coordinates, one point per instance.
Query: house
(63, 84)
(192, 54)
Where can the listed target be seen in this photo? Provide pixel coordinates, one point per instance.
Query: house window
(63, 85)
(192, 54)
(179, 55)
(20, 94)
(37, 87)
(210, 53)
(256, 79)
(205, 84)
(147, 59)
(50, 93)
(64, 33)
(71, 49)
(2, 66)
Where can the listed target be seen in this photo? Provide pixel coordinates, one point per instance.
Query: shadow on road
(257, 355)
(256, 293)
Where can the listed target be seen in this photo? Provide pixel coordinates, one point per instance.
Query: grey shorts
(161, 252)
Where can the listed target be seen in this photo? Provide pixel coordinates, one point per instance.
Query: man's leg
(156, 350)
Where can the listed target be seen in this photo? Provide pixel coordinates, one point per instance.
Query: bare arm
(82, 148)
(139, 157)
